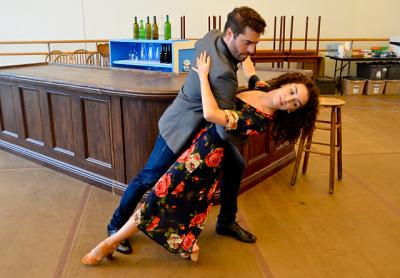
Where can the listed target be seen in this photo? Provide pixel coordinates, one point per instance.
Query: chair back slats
(96, 59)
(64, 59)
(52, 55)
(80, 56)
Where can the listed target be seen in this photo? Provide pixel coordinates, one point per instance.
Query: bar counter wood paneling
(100, 124)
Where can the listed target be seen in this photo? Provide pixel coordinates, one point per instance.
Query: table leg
(348, 68)
(340, 78)
(334, 73)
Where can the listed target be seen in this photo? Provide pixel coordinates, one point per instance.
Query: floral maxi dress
(176, 209)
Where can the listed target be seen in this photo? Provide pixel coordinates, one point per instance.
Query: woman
(175, 212)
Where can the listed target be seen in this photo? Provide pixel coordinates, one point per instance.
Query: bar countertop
(104, 80)
(124, 82)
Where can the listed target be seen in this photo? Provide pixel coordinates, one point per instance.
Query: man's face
(244, 44)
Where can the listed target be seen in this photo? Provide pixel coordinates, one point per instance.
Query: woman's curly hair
(289, 126)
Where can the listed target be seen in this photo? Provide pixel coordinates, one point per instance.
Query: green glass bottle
(142, 31)
(167, 29)
(148, 29)
(135, 29)
(154, 29)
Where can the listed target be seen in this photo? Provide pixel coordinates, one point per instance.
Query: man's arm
(250, 72)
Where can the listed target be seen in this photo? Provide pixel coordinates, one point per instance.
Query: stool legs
(332, 151)
(298, 159)
(339, 142)
(334, 127)
(335, 142)
(307, 153)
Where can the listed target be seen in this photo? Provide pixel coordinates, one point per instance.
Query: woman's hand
(203, 65)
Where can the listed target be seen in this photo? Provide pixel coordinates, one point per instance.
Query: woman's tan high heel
(194, 255)
(97, 254)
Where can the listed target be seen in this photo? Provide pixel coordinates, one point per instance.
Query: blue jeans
(161, 158)
(232, 172)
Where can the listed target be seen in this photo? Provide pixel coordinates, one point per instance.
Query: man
(183, 117)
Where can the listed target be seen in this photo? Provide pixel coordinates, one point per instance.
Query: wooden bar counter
(100, 124)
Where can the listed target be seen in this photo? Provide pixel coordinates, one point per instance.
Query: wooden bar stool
(335, 144)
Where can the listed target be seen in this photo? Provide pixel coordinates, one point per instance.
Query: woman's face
(291, 97)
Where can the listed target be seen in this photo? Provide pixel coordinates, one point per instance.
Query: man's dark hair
(243, 17)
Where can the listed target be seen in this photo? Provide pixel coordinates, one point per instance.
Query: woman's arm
(211, 111)
(238, 121)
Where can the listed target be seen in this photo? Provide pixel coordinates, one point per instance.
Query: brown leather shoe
(233, 229)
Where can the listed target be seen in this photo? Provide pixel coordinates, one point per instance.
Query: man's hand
(262, 83)
(248, 67)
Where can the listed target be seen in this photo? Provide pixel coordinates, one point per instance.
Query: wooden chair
(96, 59)
(334, 126)
(305, 59)
(103, 49)
(80, 56)
(214, 23)
(64, 59)
(52, 55)
(279, 54)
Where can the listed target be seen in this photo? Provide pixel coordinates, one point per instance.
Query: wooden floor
(49, 220)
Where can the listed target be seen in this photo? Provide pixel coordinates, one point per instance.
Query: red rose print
(214, 159)
(178, 188)
(198, 135)
(188, 241)
(153, 224)
(251, 132)
(212, 190)
(183, 157)
(161, 187)
(198, 219)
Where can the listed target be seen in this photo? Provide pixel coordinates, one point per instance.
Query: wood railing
(50, 44)
(309, 56)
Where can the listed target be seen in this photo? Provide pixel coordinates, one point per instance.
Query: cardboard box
(375, 87)
(353, 85)
(392, 87)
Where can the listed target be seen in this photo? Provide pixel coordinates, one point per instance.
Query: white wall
(98, 19)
